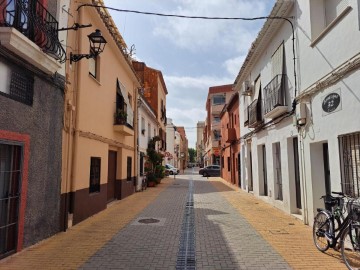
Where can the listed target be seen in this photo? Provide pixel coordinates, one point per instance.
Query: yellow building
(99, 135)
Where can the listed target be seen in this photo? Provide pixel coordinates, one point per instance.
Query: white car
(171, 169)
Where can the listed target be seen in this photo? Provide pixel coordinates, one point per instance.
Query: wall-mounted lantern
(97, 45)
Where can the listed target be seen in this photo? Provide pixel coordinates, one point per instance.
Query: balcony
(121, 125)
(29, 30)
(124, 129)
(275, 97)
(255, 114)
(230, 135)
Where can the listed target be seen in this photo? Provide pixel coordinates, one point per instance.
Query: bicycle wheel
(320, 227)
(350, 246)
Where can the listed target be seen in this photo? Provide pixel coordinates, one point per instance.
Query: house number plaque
(331, 102)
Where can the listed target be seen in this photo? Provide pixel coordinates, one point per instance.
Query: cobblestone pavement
(233, 230)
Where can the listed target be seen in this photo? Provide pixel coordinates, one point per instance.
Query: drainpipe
(136, 148)
(303, 178)
(77, 90)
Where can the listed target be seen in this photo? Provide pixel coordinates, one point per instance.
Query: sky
(192, 54)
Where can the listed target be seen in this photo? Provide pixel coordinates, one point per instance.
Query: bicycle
(350, 239)
(329, 222)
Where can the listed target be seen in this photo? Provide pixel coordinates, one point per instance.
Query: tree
(192, 155)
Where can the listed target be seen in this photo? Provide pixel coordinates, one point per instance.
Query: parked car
(171, 169)
(212, 170)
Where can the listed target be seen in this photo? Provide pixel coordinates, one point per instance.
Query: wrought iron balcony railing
(255, 114)
(34, 21)
(274, 93)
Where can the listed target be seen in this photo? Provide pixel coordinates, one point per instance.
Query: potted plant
(120, 116)
(151, 179)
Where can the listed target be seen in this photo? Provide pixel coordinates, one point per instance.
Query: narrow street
(186, 222)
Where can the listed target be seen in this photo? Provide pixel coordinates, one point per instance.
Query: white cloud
(195, 34)
(233, 65)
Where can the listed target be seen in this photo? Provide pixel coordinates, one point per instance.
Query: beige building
(217, 97)
(99, 134)
(200, 142)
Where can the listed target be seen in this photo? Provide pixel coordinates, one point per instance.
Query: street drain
(148, 220)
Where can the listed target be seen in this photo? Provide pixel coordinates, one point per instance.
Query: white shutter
(277, 61)
(92, 67)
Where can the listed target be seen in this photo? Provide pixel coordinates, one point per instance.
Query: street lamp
(97, 45)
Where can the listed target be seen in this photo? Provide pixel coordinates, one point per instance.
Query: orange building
(217, 97)
(230, 147)
(183, 148)
(99, 134)
(155, 92)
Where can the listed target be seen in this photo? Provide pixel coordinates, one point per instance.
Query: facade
(217, 97)
(100, 120)
(200, 142)
(147, 129)
(177, 146)
(298, 138)
(230, 135)
(155, 92)
(183, 149)
(170, 143)
(31, 100)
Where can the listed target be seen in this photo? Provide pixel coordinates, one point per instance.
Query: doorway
(297, 173)
(111, 176)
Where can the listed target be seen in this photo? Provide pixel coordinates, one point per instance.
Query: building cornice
(281, 9)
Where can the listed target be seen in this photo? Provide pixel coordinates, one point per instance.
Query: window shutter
(92, 67)
(277, 61)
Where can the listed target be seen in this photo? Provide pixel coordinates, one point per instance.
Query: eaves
(281, 9)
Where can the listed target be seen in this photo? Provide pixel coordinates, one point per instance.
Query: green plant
(120, 115)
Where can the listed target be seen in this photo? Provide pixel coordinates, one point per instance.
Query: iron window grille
(129, 164)
(349, 151)
(21, 87)
(34, 21)
(95, 168)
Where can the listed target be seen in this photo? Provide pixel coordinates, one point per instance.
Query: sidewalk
(286, 234)
(70, 249)
(234, 230)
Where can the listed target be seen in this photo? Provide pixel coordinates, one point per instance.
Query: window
(10, 189)
(349, 151)
(217, 135)
(95, 166)
(218, 99)
(228, 164)
(16, 84)
(216, 119)
(324, 14)
(94, 67)
(128, 168)
(142, 126)
(222, 162)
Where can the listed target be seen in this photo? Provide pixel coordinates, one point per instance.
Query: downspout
(136, 148)
(77, 90)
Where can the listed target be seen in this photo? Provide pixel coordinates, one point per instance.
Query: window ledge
(330, 26)
(19, 44)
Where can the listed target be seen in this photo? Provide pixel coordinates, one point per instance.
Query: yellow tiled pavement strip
(293, 242)
(70, 249)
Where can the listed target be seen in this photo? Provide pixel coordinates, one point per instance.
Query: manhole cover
(148, 220)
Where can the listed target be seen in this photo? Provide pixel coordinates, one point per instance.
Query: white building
(148, 127)
(170, 142)
(299, 138)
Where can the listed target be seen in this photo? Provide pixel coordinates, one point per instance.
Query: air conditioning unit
(247, 88)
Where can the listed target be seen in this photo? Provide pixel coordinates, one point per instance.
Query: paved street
(190, 220)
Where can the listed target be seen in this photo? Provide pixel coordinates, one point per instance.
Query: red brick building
(230, 135)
